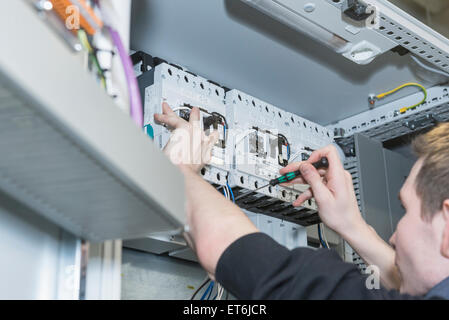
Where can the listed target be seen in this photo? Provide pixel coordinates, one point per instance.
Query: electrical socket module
(256, 139)
(183, 90)
(265, 139)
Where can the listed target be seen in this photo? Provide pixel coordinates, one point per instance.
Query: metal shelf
(67, 152)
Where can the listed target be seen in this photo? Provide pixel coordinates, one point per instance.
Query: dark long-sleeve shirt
(257, 267)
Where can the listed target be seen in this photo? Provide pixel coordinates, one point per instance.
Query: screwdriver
(322, 163)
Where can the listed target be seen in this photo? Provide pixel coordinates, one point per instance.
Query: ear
(445, 242)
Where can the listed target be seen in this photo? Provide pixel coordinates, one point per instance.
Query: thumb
(313, 178)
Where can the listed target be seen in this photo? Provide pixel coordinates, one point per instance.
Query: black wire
(285, 138)
(222, 117)
(197, 290)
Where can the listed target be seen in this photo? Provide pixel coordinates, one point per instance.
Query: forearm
(214, 221)
(374, 251)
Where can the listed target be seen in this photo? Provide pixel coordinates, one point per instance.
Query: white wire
(293, 157)
(226, 191)
(244, 135)
(421, 64)
(220, 292)
(323, 234)
(180, 108)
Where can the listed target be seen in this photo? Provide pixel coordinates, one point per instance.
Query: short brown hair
(432, 181)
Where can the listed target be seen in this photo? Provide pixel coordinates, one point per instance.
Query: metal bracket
(423, 122)
(356, 10)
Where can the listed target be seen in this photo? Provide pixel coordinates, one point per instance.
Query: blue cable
(321, 239)
(207, 290)
(230, 190)
(212, 289)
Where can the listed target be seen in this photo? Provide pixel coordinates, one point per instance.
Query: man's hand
(337, 206)
(189, 147)
(332, 189)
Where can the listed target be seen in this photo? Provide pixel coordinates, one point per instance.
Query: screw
(309, 7)
(44, 5)
(372, 100)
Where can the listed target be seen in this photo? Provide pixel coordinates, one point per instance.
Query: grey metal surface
(67, 151)
(186, 254)
(35, 262)
(381, 174)
(374, 194)
(155, 245)
(149, 276)
(102, 270)
(239, 47)
(397, 169)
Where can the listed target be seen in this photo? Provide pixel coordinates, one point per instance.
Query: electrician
(415, 266)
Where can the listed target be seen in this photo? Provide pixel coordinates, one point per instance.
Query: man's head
(421, 238)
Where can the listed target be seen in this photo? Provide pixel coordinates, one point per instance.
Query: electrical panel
(256, 139)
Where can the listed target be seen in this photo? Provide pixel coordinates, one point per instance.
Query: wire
(133, 88)
(84, 40)
(428, 68)
(409, 84)
(220, 295)
(181, 108)
(230, 191)
(207, 290)
(324, 236)
(295, 155)
(211, 290)
(225, 193)
(320, 237)
(200, 287)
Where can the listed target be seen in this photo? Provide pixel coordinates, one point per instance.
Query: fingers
(330, 152)
(295, 166)
(166, 109)
(290, 168)
(300, 180)
(335, 169)
(194, 115)
(313, 178)
(170, 120)
(303, 197)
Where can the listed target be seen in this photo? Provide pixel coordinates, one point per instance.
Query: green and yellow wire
(82, 36)
(409, 84)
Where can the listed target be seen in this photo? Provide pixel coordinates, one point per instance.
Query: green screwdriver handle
(323, 163)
